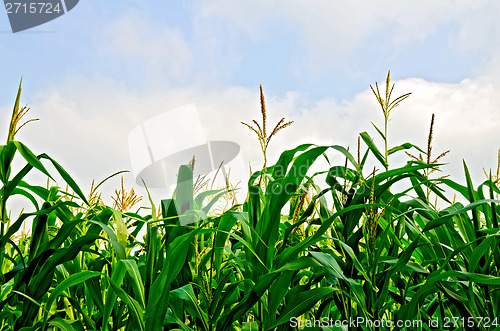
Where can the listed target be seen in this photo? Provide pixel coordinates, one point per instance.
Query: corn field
(315, 251)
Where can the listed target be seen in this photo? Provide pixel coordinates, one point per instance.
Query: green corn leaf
(186, 294)
(226, 223)
(184, 189)
(31, 198)
(278, 291)
(67, 178)
(216, 298)
(117, 276)
(302, 302)
(89, 323)
(331, 266)
(250, 298)
(403, 147)
(119, 249)
(430, 287)
(31, 158)
(404, 257)
(152, 256)
(40, 233)
(443, 219)
(135, 276)
(291, 252)
(250, 326)
(72, 280)
(256, 291)
(279, 170)
(61, 324)
(40, 283)
(171, 318)
(481, 250)
(93, 292)
(356, 262)
(371, 146)
(158, 298)
(281, 190)
(379, 132)
(7, 153)
(136, 312)
(14, 227)
(472, 199)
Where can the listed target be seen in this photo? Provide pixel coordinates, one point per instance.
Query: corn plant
(374, 250)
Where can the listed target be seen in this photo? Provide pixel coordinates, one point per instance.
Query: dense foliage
(298, 249)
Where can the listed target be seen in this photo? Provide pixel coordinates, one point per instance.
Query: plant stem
(386, 151)
(3, 213)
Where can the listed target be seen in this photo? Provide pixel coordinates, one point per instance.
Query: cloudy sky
(96, 73)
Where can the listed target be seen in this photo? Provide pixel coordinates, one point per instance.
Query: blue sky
(94, 73)
(278, 53)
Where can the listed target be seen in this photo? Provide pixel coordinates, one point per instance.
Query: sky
(94, 74)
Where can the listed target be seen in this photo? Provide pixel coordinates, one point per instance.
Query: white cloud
(466, 122)
(85, 121)
(162, 49)
(339, 27)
